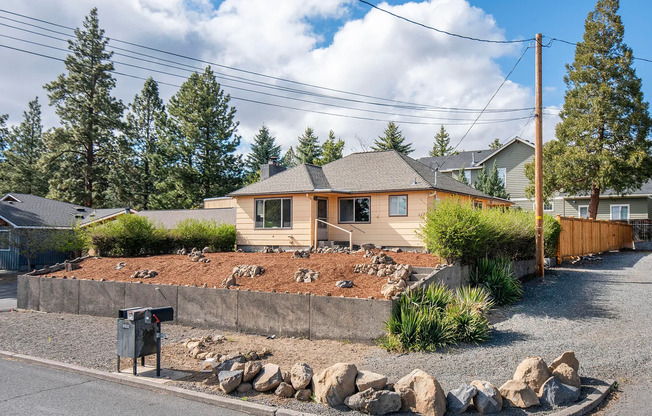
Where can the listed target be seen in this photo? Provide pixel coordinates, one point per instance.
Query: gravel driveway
(601, 310)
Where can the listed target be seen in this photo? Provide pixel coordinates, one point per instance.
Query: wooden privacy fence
(580, 236)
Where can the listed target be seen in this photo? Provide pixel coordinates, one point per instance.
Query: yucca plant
(475, 298)
(436, 331)
(467, 324)
(497, 276)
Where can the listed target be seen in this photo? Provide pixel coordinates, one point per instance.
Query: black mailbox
(139, 334)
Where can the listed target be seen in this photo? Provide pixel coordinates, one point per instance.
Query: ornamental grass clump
(434, 317)
(497, 277)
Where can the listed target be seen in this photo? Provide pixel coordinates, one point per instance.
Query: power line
(398, 16)
(236, 98)
(577, 44)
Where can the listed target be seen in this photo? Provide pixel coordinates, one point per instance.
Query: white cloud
(377, 55)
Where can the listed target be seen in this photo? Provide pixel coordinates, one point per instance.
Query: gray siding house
(511, 159)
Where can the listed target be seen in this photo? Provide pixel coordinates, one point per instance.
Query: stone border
(591, 401)
(263, 313)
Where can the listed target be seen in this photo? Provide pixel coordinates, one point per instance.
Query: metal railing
(317, 221)
(642, 229)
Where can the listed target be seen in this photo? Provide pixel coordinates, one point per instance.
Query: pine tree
(392, 139)
(263, 149)
(89, 115)
(461, 176)
(490, 183)
(146, 122)
(602, 137)
(441, 146)
(289, 159)
(331, 150)
(203, 138)
(308, 150)
(495, 144)
(25, 147)
(3, 134)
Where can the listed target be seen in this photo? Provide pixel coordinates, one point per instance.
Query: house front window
(355, 210)
(620, 212)
(583, 211)
(398, 205)
(273, 213)
(4, 240)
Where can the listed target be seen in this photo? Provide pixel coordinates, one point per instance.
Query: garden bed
(278, 277)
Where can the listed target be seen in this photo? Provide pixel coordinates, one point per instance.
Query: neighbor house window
(355, 209)
(477, 204)
(274, 213)
(4, 240)
(547, 206)
(502, 175)
(398, 205)
(620, 212)
(583, 211)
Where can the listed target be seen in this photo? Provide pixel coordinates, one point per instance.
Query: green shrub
(191, 233)
(497, 277)
(127, 235)
(467, 324)
(460, 233)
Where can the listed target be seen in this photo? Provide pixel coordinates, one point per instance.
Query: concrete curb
(223, 402)
(592, 400)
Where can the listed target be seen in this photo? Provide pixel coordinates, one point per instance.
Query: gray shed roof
(31, 211)
(170, 218)
(359, 173)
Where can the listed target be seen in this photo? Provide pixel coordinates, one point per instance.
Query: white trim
(108, 217)
(579, 211)
(4, 198)
(552, 203)
(611, 206)
(504, 180)
(501, 148)
(8, 222)
(4, 250)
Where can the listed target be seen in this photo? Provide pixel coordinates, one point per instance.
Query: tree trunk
(594, 202)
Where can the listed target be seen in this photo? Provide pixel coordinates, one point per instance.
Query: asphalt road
(8, 293)
(34, 390)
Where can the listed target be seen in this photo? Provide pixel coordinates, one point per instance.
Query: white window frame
(552, 206)
(611, 213)
(467, 175)
(504, 175)
(8, 237)
(579, 211)
(283, 199)
(398, 205)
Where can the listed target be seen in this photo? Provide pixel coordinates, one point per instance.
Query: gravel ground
(600, 310)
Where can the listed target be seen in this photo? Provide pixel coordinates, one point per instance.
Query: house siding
(9, 260)
(513, 158)
(638, 207)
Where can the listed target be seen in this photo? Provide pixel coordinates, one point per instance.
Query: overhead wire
(552, 39)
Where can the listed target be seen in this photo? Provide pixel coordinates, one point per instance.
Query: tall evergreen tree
(263, 148)
(602, 139)
(203, 136)
(496, 144)
(308, 150)
(22, 171)
(331, 149)
(392, 139)
(89, 115)
(441, 145)
(3, 134)
(490, 183)
(461, 176)
(146, 122)
(289, 159)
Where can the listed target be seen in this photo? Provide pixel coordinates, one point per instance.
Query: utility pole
(538, 157)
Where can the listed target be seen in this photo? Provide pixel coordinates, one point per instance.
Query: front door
(322, 214)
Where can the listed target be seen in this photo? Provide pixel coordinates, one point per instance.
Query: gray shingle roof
(359, 173)
(35, 211)
(645, 189)
(465, 159)
(170, 218)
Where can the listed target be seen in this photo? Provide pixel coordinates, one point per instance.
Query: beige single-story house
(370, 197)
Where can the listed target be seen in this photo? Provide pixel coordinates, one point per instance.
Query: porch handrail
(317, 221)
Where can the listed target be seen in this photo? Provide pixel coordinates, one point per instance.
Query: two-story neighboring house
(511, 159)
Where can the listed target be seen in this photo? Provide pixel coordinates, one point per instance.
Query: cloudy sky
(336, 64)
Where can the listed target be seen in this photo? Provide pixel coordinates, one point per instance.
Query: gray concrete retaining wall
(281, 314)
(205, 307)
(348, 318)
(456, 276)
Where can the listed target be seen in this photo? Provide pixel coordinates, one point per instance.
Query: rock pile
(305, 275)
(398, 275)
(120, 265)
(144, 274)
(205, 348)
(268, 250)
(382, 258)
(301, 254)
(333, 249)
(246, 270)
(68, 265)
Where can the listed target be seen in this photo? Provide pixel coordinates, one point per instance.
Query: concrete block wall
(457, 276)
(264, 313)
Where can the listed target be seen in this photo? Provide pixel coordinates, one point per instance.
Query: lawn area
(279, 271)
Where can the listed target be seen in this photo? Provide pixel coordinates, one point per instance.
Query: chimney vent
(271, 168)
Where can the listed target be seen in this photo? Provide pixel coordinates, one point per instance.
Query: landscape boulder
(420, 392)
(284, 390)
(268, 378)
(247, 270)
(487, 399)
(568, 358)
(374, 402)
(301, 254)
(519, 394)
(556, 393)
(567, 375)
(144, 274)
(390, 290)
(382, 258)
(305, 275)
(366, 380)
(300, 375)
(367, 246)
(251, 370)
(459, 399)
(334, 384)
(344, 284)
(244, 388)
(303, 395)
(533, 371)
(229, 282)
(229, 380)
